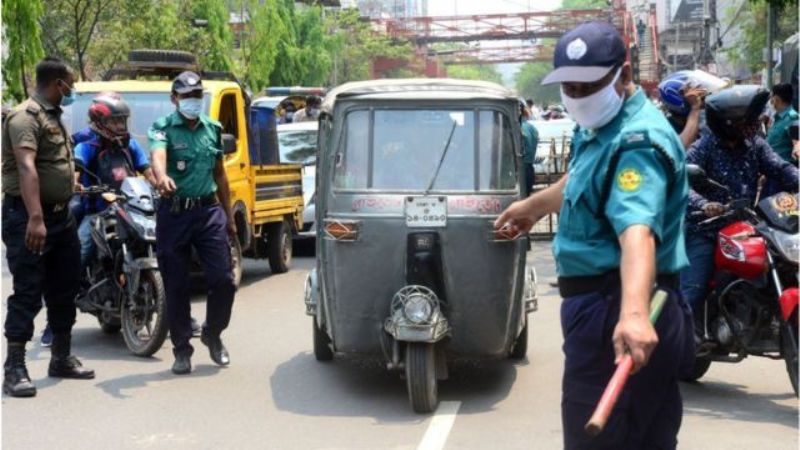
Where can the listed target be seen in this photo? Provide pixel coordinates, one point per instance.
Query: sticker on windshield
(458, 118)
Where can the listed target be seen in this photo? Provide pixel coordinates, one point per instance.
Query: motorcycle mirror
(697, 176)
(228, 143)
(109, 197)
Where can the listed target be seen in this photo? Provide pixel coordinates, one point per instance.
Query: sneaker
(47, 337)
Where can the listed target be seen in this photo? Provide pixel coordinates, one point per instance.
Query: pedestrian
(530, 140)
(186, 156)
(39, 231)
(311, 111)
(619, 235)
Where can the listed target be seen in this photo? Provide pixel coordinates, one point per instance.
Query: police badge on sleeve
(181, 166)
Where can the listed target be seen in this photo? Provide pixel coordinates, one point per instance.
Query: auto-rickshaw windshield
(400, 149)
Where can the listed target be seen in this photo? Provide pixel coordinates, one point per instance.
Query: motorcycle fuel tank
(741, 251)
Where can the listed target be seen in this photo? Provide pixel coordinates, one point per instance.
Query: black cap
(187, 82)
(586, 54)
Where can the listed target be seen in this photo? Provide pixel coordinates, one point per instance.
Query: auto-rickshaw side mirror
(228, 143)
(697, 176)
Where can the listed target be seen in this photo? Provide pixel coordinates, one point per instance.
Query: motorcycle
(125, 290)
(752, 308)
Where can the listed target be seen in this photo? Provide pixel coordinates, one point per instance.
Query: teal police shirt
(530, 140)
(648, 187)
(191, 154)
(778, 137)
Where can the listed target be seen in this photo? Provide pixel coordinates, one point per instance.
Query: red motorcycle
(752, 308)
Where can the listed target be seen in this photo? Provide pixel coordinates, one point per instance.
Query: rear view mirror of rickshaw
(228, 143)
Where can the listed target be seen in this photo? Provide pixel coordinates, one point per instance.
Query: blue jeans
(87, 243)
(695, 278)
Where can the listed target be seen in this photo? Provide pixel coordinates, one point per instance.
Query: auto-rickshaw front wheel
(520, 350)
(322, 344)
(421, 380)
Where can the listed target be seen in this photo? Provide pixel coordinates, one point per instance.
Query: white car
(297, 144)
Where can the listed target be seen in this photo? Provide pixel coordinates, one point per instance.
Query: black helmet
(105, 107)
(733, 113)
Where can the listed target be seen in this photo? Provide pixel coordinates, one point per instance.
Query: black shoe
(196, 328)
(216, 349)
(63, 364)
(16, 381)
(182, 364)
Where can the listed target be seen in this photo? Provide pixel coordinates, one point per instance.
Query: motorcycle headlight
(788, 244)
(146, 225)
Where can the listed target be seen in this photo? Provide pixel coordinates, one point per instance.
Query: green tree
(155, 24)
(481, 72)
(213, 41)
(260, 43)
(529, 83)
(23, 45)
(312, 55)
(753, 25)
(71, 26)
(354, 45)
(584, 4)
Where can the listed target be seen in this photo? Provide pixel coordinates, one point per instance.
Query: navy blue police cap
(586, 54)
(187, 82)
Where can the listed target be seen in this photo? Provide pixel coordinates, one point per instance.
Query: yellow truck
(266, 196)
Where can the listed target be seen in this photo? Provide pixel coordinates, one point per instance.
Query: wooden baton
(615, 386)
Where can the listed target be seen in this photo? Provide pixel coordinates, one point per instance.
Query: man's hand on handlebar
(714, 209)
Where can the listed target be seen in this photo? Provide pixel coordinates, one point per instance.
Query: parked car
(298, 145)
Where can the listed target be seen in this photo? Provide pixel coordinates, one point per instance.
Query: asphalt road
(275, 395)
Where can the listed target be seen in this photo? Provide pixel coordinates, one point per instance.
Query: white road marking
(440, 426)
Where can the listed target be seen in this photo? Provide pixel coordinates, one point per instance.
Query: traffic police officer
(39, 231)
(620, 233)
(187, 161)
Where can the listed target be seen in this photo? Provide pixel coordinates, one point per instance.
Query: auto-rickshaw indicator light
(341, 230)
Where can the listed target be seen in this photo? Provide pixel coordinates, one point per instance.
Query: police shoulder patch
(635, 139)
(629, 179)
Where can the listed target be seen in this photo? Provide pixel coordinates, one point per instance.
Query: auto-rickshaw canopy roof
(418, 89)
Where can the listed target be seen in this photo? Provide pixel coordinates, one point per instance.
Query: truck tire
(168, 56)
(236, 262)
(279, 246)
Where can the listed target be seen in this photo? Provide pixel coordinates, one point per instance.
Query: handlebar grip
(697, 214)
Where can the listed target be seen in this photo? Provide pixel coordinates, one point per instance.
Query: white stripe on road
(440, 426)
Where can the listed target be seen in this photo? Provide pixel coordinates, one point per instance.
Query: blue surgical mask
(190, 107)
(69, 98)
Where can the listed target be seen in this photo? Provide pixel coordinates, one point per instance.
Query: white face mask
(595, 110)
(190, 107)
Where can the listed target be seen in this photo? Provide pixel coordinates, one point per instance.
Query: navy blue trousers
(649, 411)
(55, 274)
(205, 229)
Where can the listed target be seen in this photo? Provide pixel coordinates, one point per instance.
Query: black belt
(607, 282)
(16, 202)
(180, 204)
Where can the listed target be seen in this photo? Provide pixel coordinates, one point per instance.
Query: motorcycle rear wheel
(149, 315)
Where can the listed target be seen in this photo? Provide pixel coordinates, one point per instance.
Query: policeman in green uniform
(187, 161)
(39, 231)
(778, 137)
(620, 234)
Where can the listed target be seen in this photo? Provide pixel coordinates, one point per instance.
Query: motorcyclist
(683, 98)
(732, 154)
(107, 158)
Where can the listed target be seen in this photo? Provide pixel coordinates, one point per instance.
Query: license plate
(426, 212)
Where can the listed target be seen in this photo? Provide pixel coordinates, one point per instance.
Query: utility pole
(770, 32)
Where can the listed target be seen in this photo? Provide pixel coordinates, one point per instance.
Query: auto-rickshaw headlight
(418, 305)
(418, 308)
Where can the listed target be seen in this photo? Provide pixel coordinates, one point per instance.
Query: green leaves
(22, 45)
(529, 83)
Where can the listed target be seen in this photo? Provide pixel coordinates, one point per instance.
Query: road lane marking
(442, 422)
